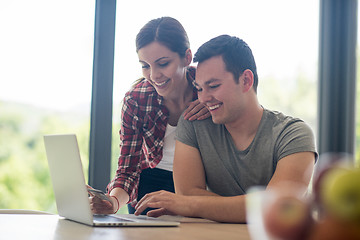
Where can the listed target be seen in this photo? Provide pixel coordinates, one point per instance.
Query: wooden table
(38, 226)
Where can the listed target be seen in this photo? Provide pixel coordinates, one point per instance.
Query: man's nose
(204, 96)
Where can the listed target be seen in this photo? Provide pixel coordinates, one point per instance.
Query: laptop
(70, 191)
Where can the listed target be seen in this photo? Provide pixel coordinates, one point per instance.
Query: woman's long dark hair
(165, 30)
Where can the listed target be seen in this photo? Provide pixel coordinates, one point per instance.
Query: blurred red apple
(288, 218)
(331, 228)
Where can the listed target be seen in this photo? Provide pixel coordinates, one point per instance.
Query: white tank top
(167, 160)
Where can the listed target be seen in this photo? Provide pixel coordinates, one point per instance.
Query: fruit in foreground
(340, 193)
(288, 218)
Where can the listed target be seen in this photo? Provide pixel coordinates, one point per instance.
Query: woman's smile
(161, 84)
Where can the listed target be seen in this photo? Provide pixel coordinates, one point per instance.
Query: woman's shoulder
(141, 96)
(141, 89)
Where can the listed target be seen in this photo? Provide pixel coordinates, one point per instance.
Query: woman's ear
(188, 57)
(248, 77)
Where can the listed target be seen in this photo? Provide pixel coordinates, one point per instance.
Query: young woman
(150, 114)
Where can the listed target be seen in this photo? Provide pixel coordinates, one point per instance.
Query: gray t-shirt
(231, 172)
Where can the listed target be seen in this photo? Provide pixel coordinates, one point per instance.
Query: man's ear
(188, 57)
(248, 78)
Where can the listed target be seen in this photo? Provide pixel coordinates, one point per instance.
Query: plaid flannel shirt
(143, 125)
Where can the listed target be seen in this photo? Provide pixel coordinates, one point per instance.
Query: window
(46, 75)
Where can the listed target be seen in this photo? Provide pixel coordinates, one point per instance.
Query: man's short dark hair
(236, 54)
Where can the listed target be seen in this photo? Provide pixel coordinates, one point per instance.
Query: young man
(217, 160)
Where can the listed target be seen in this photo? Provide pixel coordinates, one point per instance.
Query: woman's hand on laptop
(101, 203)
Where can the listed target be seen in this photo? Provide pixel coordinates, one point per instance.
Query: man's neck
(244, 130)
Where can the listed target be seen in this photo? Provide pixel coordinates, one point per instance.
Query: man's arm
(191, 198)
(217, 208)
(296, 168)
(189, 173)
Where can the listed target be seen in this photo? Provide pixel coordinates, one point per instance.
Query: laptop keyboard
(107, 218)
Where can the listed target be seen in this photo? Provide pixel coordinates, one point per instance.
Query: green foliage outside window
(24, 176)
